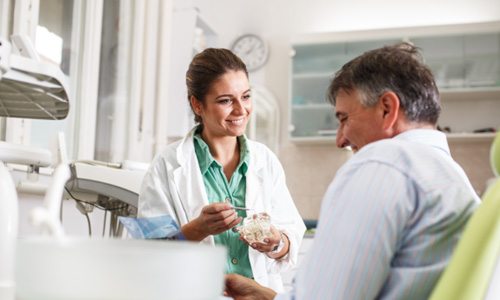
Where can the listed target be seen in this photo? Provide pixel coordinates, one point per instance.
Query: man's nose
(341, 140)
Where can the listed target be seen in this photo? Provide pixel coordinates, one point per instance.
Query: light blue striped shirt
(389, 222)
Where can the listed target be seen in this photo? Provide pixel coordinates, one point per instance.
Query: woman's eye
(224, 101)
(247, 97)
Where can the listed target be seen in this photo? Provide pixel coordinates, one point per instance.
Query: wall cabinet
(465, 60)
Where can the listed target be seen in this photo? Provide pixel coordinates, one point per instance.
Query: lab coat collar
(186, 146)
(187, 177)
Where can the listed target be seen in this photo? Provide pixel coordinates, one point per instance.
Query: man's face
(358, 125)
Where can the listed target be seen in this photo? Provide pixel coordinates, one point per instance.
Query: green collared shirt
(218, 190)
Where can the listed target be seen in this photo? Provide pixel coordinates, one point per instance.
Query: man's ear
(196, 105)
(389, 103)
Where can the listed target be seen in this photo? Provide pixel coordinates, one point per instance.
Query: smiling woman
(200, 179)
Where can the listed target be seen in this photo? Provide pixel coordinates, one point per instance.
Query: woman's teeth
(236, 122)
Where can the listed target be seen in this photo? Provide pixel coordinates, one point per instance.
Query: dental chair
(59, 267)
(474, 270)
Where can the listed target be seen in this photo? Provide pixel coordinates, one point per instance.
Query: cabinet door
(481, 60)
(465, 61)
(467, 72)
(313, 68)
(462, 61)
(445, 56)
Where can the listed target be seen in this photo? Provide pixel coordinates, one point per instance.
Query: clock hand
(249, 50)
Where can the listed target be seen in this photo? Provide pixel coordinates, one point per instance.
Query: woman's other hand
(271, 243)
(213, 219)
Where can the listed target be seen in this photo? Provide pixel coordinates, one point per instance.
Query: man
(394, 212)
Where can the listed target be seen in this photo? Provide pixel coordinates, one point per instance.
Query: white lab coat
(174, 185)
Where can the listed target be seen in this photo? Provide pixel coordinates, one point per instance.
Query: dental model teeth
(256, 228)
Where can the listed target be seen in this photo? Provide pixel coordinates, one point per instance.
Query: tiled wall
(310, 168)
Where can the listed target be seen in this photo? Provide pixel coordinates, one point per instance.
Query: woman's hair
(398, 68)
(205, 68)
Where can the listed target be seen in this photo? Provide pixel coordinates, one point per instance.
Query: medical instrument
(241, 208)
(228, 200)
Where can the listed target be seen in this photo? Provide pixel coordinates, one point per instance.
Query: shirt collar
(431, 137)
(206, 159)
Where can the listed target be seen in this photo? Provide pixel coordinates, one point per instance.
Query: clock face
(252, 50)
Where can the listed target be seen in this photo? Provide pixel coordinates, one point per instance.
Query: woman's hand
(271, 243)
(213, 219)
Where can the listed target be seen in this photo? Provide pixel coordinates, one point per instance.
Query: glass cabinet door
(313, 68)
(464, 62)
(482, 60)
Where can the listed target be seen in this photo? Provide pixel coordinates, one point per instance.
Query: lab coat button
(234, 260)
(228, 200)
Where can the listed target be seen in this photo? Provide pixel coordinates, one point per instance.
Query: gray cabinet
(465, 61)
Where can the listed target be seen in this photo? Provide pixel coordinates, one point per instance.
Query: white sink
(80, 268)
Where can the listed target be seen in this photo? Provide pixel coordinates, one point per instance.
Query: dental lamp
(29, 88)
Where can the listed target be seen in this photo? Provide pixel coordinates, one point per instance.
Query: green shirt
(218, 190)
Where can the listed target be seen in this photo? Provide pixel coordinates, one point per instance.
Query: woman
(201, 180)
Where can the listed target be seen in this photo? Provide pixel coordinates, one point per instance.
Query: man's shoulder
(396, 154)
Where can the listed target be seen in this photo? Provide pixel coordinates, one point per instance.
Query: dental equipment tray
(115, 183)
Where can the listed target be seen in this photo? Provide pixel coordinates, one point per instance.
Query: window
(53, 43)
(114, 53)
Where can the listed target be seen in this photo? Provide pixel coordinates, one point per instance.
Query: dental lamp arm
(47, 217)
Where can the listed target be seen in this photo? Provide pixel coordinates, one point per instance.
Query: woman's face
(227, 106)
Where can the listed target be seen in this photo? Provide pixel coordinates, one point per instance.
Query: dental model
(256, 228)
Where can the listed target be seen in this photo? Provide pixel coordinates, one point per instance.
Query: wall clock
(252, 49)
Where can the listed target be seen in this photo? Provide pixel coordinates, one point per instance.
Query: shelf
(470, 93)
(452, 138)
(314, 140)
(470, 137)
(313, 75)
(312, 106)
